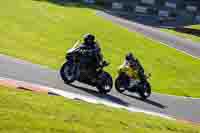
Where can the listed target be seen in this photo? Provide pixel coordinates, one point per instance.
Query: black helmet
(89, 38)
(129, 56)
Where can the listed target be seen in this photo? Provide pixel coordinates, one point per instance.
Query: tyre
(118, 85)
(65, 73)
(145, 92)
(106, 83)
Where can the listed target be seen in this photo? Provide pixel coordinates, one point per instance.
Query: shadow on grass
(105, 97)
(156, 104)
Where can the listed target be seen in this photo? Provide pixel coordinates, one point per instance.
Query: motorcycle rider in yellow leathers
(133, 69)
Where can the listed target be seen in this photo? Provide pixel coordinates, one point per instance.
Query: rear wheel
(66, 74)
(105, 84)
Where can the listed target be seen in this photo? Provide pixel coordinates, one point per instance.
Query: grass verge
(41, 32)
(22, 112)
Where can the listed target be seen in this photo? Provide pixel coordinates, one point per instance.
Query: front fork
(74, 68)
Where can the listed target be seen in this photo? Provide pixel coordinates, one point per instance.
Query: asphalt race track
(178, 107)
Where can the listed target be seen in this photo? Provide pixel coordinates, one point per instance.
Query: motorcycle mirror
(105, 63)
(149, 75)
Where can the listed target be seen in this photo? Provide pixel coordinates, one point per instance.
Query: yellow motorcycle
(125, 83)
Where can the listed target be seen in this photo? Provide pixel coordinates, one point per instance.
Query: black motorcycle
(142, 87)
(78, 67)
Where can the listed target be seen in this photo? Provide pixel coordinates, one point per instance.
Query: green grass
(20, 112)
(41, 32)
(183, 35)
(195, 26)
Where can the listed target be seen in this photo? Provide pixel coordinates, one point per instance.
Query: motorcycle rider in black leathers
(91, 50)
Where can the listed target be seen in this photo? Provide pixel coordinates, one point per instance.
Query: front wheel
(66, 73)
(105, 84)
(119, 86)
(145, 92)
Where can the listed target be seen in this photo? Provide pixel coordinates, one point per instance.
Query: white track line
(104, 102)
(183, 97)
(184, 52)
(90, 99)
